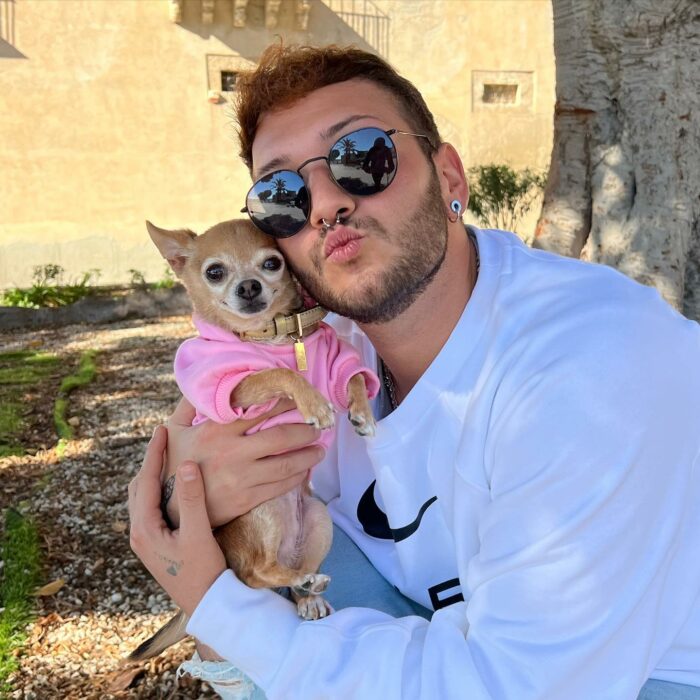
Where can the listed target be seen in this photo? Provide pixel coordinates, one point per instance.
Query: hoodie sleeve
(208, 371)
(344, 363)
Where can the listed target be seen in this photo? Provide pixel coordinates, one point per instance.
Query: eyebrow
(326, 134)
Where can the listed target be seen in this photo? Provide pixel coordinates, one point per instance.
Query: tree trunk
(624, 182)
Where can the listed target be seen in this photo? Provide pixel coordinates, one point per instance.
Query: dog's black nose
(249, 289)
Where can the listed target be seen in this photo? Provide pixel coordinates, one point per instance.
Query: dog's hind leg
(274, 575)
(318, 534)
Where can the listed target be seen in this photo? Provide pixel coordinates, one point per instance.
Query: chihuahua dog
(258, 344)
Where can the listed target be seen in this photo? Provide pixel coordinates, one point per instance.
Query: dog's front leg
(275, 383)
(359, 409)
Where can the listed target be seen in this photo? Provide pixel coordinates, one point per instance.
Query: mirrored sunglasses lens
(278, 204)
(363, 162)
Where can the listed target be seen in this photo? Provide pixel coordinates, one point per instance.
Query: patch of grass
(20, 577)
(61, 447)
(85, 374)
(10, 426)
(63, 429)
(18, 371)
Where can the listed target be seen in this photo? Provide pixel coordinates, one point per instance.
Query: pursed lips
(338, 238)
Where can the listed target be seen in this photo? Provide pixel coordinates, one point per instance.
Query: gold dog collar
(283, 325)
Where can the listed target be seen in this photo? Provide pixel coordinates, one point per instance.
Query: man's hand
(240, 471)
(187, 561)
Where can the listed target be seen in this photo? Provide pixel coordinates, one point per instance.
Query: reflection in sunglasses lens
(279, 203)
(363, 162)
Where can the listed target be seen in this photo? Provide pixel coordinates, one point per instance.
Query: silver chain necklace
(387, 376)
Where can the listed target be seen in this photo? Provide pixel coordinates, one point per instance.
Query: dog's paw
(364, 423)
(323, 417)
(312, 583)
(313, 607)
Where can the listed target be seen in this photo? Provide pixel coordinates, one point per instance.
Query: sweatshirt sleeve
(581, 582)
(345, 363)
(208, 371)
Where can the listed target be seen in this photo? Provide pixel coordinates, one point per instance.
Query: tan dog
(237, 280)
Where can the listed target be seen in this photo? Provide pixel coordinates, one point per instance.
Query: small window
(228, 81)
(499, 94)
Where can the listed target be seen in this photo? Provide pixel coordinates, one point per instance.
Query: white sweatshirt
(541, 485)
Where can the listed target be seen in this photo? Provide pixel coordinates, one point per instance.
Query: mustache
(365, 223)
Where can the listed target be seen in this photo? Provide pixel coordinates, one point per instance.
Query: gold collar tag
(299, 349)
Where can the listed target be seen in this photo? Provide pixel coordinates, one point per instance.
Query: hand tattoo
(173, 566)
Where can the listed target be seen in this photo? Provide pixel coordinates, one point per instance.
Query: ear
(453, 181)
(175, 246)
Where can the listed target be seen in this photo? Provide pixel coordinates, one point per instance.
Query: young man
(535, 477)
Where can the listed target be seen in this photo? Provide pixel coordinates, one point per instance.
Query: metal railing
(366, 20)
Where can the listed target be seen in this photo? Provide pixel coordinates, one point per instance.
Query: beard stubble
(423, 245)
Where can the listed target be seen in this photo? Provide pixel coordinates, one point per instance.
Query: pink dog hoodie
(209, 367)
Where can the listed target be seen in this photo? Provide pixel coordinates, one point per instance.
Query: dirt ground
(108, 603)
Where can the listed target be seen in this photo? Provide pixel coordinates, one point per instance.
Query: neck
(410, 342)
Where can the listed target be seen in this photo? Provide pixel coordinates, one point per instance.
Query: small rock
(74, 421)
(116, 597)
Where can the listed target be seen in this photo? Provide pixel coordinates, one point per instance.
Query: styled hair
(285, 74)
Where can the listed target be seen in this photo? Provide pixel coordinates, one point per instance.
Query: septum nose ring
(326, 225)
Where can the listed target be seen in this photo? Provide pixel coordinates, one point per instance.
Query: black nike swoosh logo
(375, 523)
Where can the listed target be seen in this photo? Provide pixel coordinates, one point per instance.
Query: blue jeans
(356, 583)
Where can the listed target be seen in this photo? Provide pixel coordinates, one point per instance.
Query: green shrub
(168, 280)
(49, 290)
(137, 278)
(500, 196)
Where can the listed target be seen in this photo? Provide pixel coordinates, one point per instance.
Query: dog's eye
(215, 272)
(272, 264)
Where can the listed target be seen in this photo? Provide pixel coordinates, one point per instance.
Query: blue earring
(456, 207)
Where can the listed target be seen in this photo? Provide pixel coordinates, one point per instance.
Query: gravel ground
(109, 603)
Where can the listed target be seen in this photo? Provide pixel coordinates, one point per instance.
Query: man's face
(374, 264)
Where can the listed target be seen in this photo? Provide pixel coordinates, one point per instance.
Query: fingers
(145, 486)
(190, 494)
(284, 438)
(289, 465)
(271, 477)
(145, 489)
(183, 414)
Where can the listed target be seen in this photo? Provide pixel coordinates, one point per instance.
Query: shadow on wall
(7, 30)
(249, 27)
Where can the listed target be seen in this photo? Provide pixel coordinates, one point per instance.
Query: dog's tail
(173, 631)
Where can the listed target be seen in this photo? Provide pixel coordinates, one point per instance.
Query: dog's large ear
(174, 246)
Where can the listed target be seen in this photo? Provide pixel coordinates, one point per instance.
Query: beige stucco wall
(105, 119)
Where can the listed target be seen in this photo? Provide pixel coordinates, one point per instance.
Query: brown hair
(288, 73)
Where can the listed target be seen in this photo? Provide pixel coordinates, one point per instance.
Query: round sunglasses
(363, 163)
